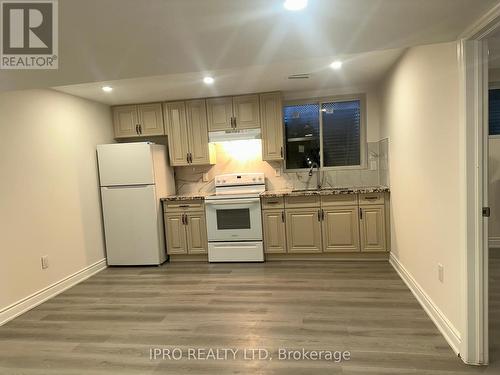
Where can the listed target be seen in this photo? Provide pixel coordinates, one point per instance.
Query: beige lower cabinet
(273, 223)
(186, 233)
(303, 230)
(196, 233)
(372, 228)
(340, 229)
(175, 233)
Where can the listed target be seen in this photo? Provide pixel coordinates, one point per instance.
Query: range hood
(233, 135)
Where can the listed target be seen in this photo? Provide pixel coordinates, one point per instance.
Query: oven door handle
(232, 201)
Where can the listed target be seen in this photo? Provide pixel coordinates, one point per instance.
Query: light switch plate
(45, 262)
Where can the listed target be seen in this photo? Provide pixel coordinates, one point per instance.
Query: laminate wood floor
(109, 323)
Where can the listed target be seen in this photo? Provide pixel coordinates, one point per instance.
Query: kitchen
(233, 216)
(228, 186)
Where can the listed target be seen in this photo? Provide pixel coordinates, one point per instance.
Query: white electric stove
(234, 218)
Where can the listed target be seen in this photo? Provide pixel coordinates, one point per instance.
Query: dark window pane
(302, 135)
(494, 111)
(341, 133)
(233, 219)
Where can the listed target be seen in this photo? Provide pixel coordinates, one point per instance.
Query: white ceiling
(357, 70)
(103, 40)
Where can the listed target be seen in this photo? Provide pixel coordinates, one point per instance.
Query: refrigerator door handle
(126, 186)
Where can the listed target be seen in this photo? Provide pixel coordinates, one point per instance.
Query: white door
(125, 164)
(131, 225)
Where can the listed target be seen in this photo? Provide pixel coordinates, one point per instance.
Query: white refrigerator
(133, 178)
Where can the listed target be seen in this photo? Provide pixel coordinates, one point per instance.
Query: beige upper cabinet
(372, 228)
(196, 233)
(178, 146)
(188, 133)
(230, 113)
(303, 228)
(126, 121)
(246, 112)
(340, 229)
(273, 223)
(220, 113)
(175, 233)
(141, 120)
(271, 117)
(150, 119)
(196, 111)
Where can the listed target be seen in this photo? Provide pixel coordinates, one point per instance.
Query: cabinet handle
(281, 151)
(186, 216)
(283, 216)
(191, 158)
(187, 157)
(370, 198)
(140, 128)
(360, 213)
(137, 129)
(184, 206)
(322, 214)
(319, 215)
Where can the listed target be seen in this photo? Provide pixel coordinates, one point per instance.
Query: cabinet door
(196, 112)
(271, 118)
(273, 223)
(372, 227)
(125, 121)
(175, 230)
(219, 113)
(246, 111)
(175, 113)
(303, 230)
(196, 233)
(341, 229)
(151, 119)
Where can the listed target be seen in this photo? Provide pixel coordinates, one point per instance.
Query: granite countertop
(186, 197)
(326, 191)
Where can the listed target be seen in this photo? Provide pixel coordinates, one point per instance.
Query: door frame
(472, 51)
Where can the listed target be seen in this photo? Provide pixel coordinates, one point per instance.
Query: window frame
(493, 86)
(362, 139)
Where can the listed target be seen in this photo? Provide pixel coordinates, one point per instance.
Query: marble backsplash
(245, 156)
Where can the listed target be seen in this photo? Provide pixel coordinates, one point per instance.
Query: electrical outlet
(45, 262)
(277, 172)
(205, 177)
(440, 272)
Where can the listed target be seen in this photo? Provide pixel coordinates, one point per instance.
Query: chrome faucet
(318, 174)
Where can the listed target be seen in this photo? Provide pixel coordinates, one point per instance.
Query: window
(326, 132)
(494, 111)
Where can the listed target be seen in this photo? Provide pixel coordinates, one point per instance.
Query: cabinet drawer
(270, 203)
(302, 201)
(339, 200)
(373, 198)
(180, 206)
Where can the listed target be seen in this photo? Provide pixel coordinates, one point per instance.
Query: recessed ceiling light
(208, 80)
(337, 64)
(294, 5)
(107, 88)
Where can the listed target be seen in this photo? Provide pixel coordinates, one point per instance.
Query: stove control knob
(253, 179)
(223, 181)
(217, 182)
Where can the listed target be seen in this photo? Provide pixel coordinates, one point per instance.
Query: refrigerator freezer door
(131, 225)
(125, 164)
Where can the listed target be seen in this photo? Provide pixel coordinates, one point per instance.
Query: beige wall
(420, 117)
(494, 191)
(49, 197)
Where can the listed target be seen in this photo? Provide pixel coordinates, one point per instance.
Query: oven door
(236, 219)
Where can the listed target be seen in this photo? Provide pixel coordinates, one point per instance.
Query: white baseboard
(20, 307)
(447, 329)
(494, 242)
